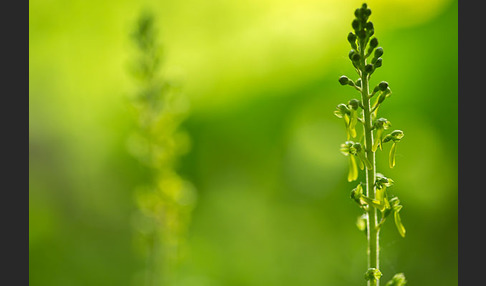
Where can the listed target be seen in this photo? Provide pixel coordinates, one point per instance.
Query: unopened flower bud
(378, 63)
(383, 85)
(367, 12)
(373, 43)
(369, 26)
(382, 123)
(369, 68)
(378, 52)
(354, 103)
(351, 37)
(352, 40)
(343, 80)
(355, 24)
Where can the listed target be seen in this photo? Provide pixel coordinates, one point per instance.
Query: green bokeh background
(273, 204)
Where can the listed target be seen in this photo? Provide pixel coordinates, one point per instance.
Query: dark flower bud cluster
(362, 36)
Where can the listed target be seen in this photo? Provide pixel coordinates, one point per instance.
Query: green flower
(344, 113)
(362, 158)
(396, 207)
(380, 126)
(395, 136)
(380, 202)
(357, 193)
(349, 113)
(348, 149)
(353, 105)
(382, 181)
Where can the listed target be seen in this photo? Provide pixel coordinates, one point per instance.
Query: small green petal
(387, 203)
(392, 155)
(388, 208)
(352, 124)
(378, 139)
(380, 195)
(394, 202)
(353, 169)
(361, 222)
(338, 113)
(346, 123)
(398, 223)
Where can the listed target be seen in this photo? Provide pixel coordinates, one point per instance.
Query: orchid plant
(371, 196)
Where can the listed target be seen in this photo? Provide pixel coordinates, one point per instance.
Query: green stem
(372, 221)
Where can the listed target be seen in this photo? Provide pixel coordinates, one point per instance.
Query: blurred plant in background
(166, 200)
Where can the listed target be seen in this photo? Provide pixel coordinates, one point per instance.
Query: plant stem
(372, 233)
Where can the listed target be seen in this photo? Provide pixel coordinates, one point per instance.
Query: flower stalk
(365, 55)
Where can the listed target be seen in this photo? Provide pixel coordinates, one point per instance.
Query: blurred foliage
(165, 200)
(273, 203)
